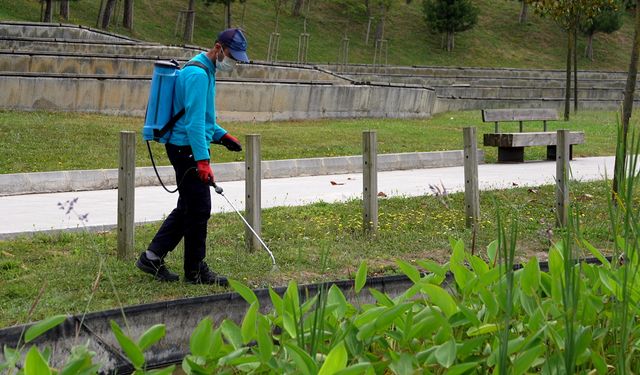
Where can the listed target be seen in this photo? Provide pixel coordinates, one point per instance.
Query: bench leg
(551, 152)
(511, 154)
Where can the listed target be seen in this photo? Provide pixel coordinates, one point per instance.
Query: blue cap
(235, 41)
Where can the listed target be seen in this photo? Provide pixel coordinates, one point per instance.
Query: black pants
(189, 218)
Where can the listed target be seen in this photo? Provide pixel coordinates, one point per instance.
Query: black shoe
(156, 268)
(203, 275)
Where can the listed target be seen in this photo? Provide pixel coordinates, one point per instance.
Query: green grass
(66, 265)
(42, 141)
(497, 41)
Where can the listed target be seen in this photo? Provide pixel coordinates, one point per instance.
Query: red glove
(204, 171)
(230, 142)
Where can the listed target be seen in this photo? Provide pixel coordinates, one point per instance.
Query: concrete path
(40, 212)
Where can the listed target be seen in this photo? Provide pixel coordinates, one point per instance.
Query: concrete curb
(102, 179)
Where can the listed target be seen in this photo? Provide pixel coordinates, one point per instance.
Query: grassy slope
(498, 40)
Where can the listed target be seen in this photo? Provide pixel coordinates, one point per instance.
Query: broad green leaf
(412, 273)
(382, 298)
(232, 356)
(265, 341)
(43, 326)
(441, 298)
(337, 299)
(478, 264)
(336, 360)
(446, 353)
(461, 368)
(489, 300)
(129, 347)
(530, 277)
(357, 369)
(11, 356)
(361, 276)
(190, 365)
(368, 316)
(151, 336)
(248, 328)
(388, 316)
(457, 254)
(289, 325)
(432, 267)
(598, 362)
(483, 329)
(302, 359)
(291, 299)
(596, 253)
(402, 365)
(276, 301)
(202, 338)
(523, 362)
(243, 291)
(232, 333)
(34, 363)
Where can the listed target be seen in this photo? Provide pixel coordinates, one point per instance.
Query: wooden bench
(511, 145)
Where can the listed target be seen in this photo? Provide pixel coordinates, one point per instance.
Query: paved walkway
(40, 212)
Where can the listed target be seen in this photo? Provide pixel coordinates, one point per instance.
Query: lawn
(44, 141)
(69, 267)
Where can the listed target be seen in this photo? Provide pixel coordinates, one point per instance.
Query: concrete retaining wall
(143, 66)
(92, 48)
(240, 101)
(51, 182)
(55, 30)
(443, 71)
(447, 104)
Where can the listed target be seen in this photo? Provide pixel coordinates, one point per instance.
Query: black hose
(158, 175)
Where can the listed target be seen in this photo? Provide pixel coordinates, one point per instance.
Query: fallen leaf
(336, 183)
(382, 194)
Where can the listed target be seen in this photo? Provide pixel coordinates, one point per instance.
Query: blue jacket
(195, 91)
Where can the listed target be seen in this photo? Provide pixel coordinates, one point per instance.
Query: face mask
(226, 65)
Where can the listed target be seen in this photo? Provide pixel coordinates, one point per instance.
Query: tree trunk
(227, 9)
(106, 15)
(188, 24)
(567, 89)
(367, 7)
(450, 41)
(48, 11)
(627, 105)
(379, 34)
(588, 51)
(575, 69)
(297, 5)
(127, 19)
(524, 10)
(64, 9)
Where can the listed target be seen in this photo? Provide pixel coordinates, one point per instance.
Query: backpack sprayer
(159, 121)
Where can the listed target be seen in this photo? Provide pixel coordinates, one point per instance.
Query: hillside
(497, 41)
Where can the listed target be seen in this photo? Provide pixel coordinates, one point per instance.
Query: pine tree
(450, 17)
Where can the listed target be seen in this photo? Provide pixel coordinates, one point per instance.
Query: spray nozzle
(217, 188)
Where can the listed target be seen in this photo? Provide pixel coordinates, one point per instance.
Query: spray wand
(219, 190)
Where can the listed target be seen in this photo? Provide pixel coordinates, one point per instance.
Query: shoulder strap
(159, 133)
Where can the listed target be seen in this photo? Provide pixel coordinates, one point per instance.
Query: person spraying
(187, 147)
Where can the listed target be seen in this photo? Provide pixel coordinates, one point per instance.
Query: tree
(107, 13)
(450, 17)
(47, 15)
(607, 21)
(227, 9)
(64, 9)
(627, 104)
(127, 19)
(569, 14)
(297, 6)
(188, 24)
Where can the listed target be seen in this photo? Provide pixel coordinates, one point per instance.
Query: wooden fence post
(253, 205)
(370, 181)
(126, 194)
(562, 177)
(471, 190)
